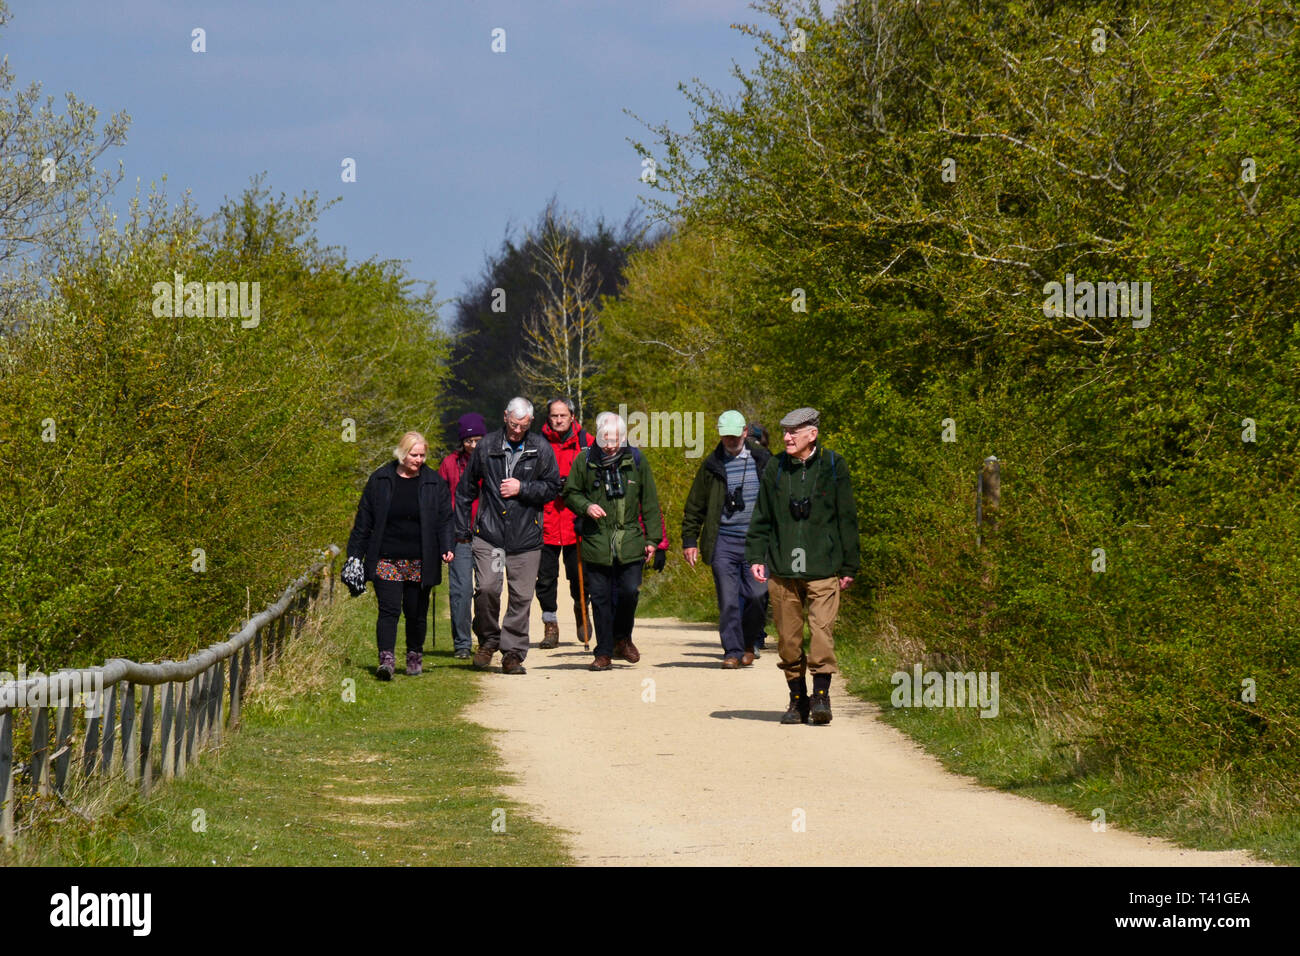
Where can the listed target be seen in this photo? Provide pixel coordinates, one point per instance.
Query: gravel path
(676, 761)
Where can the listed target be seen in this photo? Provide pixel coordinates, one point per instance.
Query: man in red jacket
(558, 535)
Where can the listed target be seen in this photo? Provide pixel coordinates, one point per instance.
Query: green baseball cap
(731, 423)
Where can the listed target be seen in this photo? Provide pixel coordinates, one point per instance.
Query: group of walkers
(508, 506)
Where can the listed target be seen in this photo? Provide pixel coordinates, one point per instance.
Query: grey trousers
(491, 567)
(460, 593)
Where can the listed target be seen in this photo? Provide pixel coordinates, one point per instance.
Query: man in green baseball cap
(718, 511)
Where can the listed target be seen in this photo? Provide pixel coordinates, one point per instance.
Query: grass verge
(392, 777)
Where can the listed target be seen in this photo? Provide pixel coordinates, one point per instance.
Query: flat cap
(801, 416)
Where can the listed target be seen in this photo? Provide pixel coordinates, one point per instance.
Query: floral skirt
(398, 569)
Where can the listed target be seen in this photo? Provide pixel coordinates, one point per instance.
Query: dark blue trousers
(741, 611)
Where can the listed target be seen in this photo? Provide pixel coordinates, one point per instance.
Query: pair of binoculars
(613, 482)
(800, 508)
(734, 502)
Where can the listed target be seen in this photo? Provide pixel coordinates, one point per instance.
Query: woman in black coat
(401, 538)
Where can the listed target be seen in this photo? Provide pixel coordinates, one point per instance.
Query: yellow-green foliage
(173, 434)
(1120, 161)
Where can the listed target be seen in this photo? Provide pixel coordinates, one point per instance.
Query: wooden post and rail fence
(182, 708)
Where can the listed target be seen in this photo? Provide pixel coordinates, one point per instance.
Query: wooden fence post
(179, 730)
(94, 718)
(238, 671)
(130, 749)
(215, 700)
(199, 710)
(7, 778)
(194, 720)
(146, 741)
(168, 730)
(41, 752)
(63, 743)
(110, 731)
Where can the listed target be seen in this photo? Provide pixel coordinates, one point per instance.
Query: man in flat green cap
(803, 542)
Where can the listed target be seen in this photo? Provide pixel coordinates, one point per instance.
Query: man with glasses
(718, 511)
(513, 473)
(803, 542)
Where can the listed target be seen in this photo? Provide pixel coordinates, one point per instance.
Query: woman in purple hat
(460, 588)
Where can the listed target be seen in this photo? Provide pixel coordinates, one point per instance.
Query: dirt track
(704, 774)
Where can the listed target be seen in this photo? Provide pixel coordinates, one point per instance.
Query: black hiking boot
(821, 699)
(797, 712)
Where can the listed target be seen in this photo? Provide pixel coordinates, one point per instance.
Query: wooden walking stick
(582, 598)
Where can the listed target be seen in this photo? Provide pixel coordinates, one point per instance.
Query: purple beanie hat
(471, 424)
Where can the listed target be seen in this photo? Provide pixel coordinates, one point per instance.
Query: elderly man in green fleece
(803, 541)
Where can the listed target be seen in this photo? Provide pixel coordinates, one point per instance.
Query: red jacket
(557, 519)
(450, 470)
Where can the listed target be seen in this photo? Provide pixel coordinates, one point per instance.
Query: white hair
(606, 421)
(519, 408)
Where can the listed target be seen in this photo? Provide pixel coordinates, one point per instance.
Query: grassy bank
(394, 778)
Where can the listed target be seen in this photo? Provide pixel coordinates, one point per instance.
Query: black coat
(512, 524)
(436, 528)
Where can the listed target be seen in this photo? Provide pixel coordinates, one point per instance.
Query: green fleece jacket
(825, 544)
(703, 513)
(619, 536)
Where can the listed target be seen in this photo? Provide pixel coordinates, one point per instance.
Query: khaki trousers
(789, 598)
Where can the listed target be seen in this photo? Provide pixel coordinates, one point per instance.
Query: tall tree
(502, 319)
(559, 335)
(48, 184)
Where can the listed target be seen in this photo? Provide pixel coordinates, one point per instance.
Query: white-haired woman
(613, 491)
(400, 539)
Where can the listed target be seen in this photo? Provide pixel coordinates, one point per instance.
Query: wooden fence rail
(197, 703)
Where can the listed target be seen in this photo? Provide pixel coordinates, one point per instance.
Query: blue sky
(452, 142)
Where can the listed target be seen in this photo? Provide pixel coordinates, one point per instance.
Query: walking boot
(550, 634)
(511, 664)
(387, 664)
(797, 712)
(821, 699)
(483, 656)
(414, 663)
